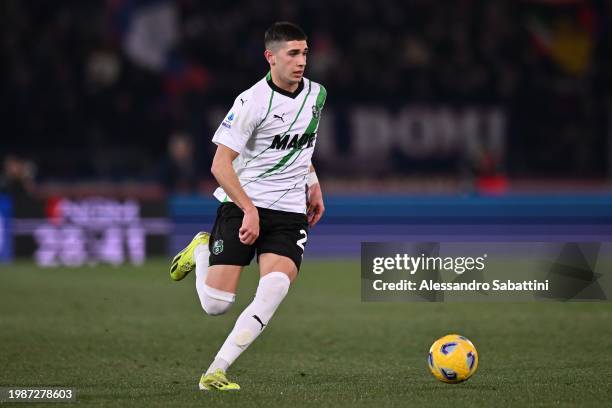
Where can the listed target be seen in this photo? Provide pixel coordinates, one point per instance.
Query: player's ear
(270, 57)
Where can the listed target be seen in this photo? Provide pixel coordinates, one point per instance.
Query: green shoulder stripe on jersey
(269, 107)
(316, 114)
(286, 158)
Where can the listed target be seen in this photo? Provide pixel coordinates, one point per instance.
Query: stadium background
(445, 121)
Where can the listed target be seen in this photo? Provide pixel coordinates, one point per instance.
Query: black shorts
(280, 232)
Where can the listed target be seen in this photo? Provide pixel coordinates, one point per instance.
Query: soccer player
(269, 196)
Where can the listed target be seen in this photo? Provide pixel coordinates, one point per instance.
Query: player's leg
(270, 262)
(217, 292)
(216, 286)
(277, 272)
(217, 283)
(218, 264)
(280, 251)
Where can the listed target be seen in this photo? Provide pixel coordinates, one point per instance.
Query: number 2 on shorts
(300, 242)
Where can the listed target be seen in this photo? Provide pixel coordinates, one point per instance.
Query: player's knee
(215, 307)
(216, 302)
(279, 288)
(275, 284)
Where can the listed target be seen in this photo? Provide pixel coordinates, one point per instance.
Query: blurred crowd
(102, 89)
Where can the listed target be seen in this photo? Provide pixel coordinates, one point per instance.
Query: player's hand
(249, 231)
(316, 208)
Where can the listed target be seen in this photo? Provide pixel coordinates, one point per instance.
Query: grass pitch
(128, 336)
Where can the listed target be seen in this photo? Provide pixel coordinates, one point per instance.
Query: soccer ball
(452, 359)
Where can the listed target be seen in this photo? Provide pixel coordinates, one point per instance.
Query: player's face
(290, 61)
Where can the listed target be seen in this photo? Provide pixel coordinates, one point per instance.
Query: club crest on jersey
(217, 247)
(316, 111)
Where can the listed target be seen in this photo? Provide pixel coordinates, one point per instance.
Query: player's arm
(225, 174)
(231, 138)
(316, 208)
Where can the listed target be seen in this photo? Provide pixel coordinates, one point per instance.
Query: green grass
(129, 337)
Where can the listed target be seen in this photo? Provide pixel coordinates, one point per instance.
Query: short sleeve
(239, 123)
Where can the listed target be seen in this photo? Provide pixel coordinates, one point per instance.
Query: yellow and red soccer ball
(452, 359)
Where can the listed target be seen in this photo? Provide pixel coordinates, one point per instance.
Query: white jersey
(274, 132)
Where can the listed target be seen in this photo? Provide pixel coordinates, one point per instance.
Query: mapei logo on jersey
(282, 142)
(217, 247)
(227, 122)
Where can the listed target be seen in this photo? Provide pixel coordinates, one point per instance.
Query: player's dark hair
(283, 31)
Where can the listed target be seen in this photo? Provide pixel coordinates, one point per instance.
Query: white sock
(270, 293)
(201, 255)
(219, 363)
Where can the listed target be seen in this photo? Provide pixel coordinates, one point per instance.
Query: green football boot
(217, 381)
(184, 261)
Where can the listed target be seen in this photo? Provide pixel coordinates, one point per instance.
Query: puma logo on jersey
(280, 117)
(293, 142)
